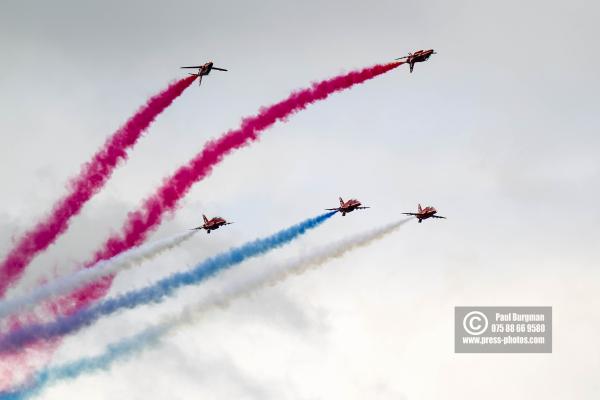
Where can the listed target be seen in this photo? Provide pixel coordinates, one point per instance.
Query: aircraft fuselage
(206, 68)
(425, 215)
(349, 207)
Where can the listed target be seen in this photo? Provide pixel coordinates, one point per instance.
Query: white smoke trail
(242, 286)
(239, 287)
(67, 284)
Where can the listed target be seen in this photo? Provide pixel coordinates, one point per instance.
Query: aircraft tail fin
(341, 202)
(420, 209)
(205, 219)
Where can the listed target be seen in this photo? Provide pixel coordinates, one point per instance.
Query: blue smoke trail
(124, 349)
(158, 291)
(114, 352)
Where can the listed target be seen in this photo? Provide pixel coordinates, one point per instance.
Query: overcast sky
(497, 131)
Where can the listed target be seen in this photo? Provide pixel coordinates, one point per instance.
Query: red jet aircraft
(204, 70)
(417, 56)
(424, 213)
(348, 206)
(212, 224)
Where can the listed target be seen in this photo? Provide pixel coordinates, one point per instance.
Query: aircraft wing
(438, 216)
(415, 214)
(228, 223)
(362, 208)
(196, 67)
(332, 209)
(400, 58)
(219, 69)
(197, 228)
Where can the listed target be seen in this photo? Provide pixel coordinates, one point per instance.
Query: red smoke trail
(140, 223)
(90, 180)
(16, 367)
(149, 216)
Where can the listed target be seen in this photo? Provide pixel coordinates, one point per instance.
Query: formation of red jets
(345, 206)
(411, 59)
